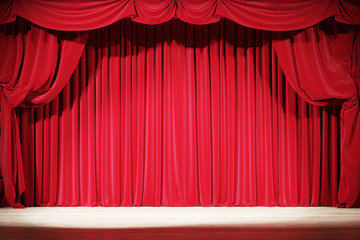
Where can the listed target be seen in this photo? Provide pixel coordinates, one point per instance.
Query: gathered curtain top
(274, 15)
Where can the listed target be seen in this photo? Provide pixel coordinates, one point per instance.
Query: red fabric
(38, 64)
(349, 11)
(73, 15)
(195, 12)
(277, 15)
(318, 64)
(261, 14)
(198, 116)
(5, 12)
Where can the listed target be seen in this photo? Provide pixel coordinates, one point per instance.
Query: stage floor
(180, 223)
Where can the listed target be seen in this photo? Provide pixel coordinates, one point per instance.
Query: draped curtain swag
(320, 62)
(279, 15)
(38, 65)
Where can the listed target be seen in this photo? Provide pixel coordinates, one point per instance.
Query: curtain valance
(275, 15)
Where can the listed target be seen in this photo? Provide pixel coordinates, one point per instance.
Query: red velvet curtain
(179, 115)
(263, 14)
(321, 64)
(37, 65)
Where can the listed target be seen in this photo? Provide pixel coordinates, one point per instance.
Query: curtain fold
(277, 15)
(348, 11)
(38, 65)
(73, 15)
(323, 73)
(280, 15)
(179, 115)
(6, 12)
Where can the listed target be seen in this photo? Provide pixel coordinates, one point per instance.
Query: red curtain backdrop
(18, 88)
(179, 115)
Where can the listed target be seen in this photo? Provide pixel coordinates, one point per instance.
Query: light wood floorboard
(135, 217)
(192, 223)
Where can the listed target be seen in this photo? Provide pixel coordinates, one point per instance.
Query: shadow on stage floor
(175, 233)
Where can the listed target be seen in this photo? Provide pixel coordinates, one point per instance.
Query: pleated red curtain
(36, 66)
(179, 115)
(321, 64)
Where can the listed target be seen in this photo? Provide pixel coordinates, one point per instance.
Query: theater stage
(179, 223)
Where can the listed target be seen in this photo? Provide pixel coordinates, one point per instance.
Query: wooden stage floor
(180, 223)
